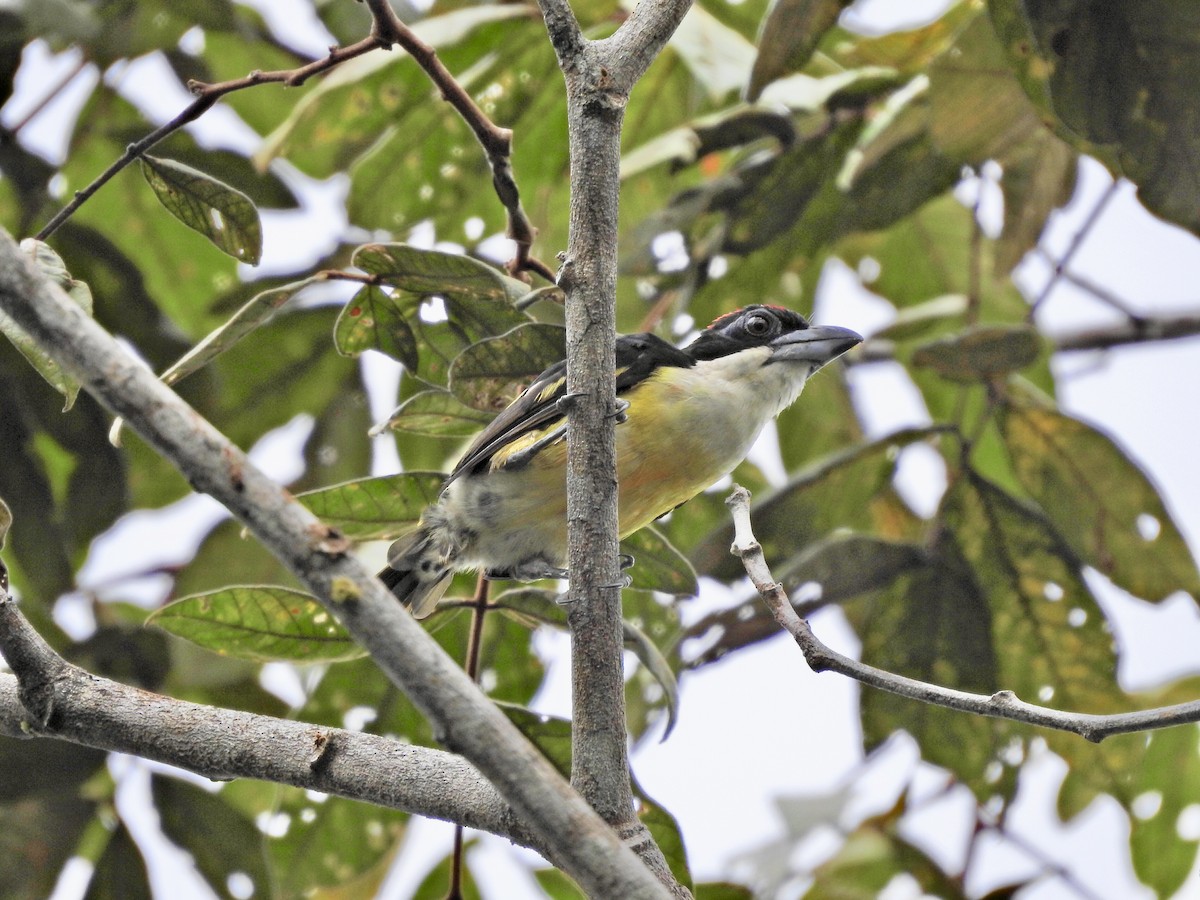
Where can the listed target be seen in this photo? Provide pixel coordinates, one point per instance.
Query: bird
(686, 417)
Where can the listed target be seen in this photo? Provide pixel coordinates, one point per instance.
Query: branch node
(322, 750)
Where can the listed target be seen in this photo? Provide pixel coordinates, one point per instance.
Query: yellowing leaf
(1101, 501)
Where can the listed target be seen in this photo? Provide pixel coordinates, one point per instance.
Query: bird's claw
(619, 415)
(566, 401)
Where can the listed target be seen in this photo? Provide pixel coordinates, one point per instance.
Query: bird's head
(786, 336)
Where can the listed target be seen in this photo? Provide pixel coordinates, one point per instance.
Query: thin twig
(474, 643)
(50, 95)
(207, 96)
(1002, 704)
(496, 141)
(1076, 242)
(1137, 330)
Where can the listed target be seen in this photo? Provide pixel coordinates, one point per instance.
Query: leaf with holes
(375, 509)
(1165, 784)
(1101, 501)
(223, 214)
(258, 622)
(221, 839)
(373, 320)
(1055, 644)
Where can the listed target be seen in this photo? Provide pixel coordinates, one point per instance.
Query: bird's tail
(415, 575)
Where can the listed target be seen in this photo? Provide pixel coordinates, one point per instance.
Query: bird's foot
(566, 401)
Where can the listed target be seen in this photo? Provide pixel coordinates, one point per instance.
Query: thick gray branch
(70, 704)
(1001, 705)
(465, 721)
(599, 76)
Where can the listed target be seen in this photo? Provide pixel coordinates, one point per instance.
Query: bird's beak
(817, 344)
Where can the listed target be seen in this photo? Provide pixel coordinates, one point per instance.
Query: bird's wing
(536, 412)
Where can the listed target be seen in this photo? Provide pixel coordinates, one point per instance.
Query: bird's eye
(758, 325)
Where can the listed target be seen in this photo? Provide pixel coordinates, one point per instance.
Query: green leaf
(261, 623)
(790, 33)
(980, 353)
(436, 413)
(722, 890)
(436, 272)
(1101, 501)
(658, 566)
(916, 321)
(650, 656)
(666, 833)
(50, 264)
(1039, 176)
(836, 571)
(373, 320)
(1121, 84)
(1164, 785)
(869, 861)
(489, 375)
(558, 885)
(257, 311)
(847, 489)
(932, 622)
(120, 872)
(1054, 644)
(380, 508)
(718, 57)
(333, 846)
(39, 836)
(549, 734)
(225, 216)
(221, 840)
(435, 885)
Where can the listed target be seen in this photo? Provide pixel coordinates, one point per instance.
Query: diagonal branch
(496, 142)
(1001, 705)
(464, 719)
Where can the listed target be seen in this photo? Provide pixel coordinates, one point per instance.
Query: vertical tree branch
(599, 76)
